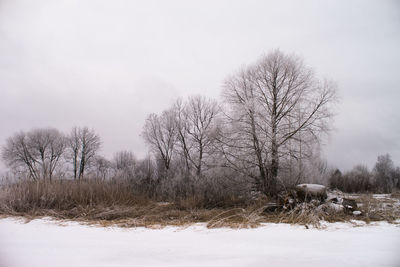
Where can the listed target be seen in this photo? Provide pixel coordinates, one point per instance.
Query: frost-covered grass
(42, 243)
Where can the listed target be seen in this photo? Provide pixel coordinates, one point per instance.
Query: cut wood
(311, 191)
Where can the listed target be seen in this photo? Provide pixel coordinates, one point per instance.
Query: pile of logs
(314, 193)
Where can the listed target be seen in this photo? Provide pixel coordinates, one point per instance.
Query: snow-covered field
(44, 243)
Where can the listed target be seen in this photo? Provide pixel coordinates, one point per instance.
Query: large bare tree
(197, 129)
(83, 145)
(16, 153)
(48, 145)
(160, 133)
(38, 151)
(274, 105)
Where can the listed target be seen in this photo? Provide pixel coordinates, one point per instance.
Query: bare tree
(39, 151)
(124, 164)
(74, 146)
(273, 105)
(90, 144)
(83, 145)
(396, 175)
(384, 172)
(16, 153)
(197, 129)
(160, 133)
(182, 126)
(145, 175)
(48, 145)
(102, 167)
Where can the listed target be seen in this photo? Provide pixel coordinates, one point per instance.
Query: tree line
(264, 136)
(383, 178)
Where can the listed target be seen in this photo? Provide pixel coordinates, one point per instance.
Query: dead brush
(314, 213)
(307, 213)
(304, 213)
(373, 209)
(395, 195)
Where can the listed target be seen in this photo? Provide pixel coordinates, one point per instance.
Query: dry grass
(395, 195)
(27, 196)
(107, 202)
(379, 209)
(114, 203)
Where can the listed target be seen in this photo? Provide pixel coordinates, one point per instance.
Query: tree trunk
(198, 172)
(273, 172)
(82, 166)
(75, 163)
(261, 184)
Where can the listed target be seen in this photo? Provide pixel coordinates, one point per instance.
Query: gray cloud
(107, 64)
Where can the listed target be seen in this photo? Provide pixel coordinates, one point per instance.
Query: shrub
(359, 179)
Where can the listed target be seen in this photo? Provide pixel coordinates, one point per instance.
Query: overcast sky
(107, 64)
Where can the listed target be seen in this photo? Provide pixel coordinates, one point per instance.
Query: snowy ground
(44, 243)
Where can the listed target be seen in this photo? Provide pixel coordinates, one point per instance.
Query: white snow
(312, 188)
(381, 196)
(44, 243)
(316, 187)
(334, 206)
